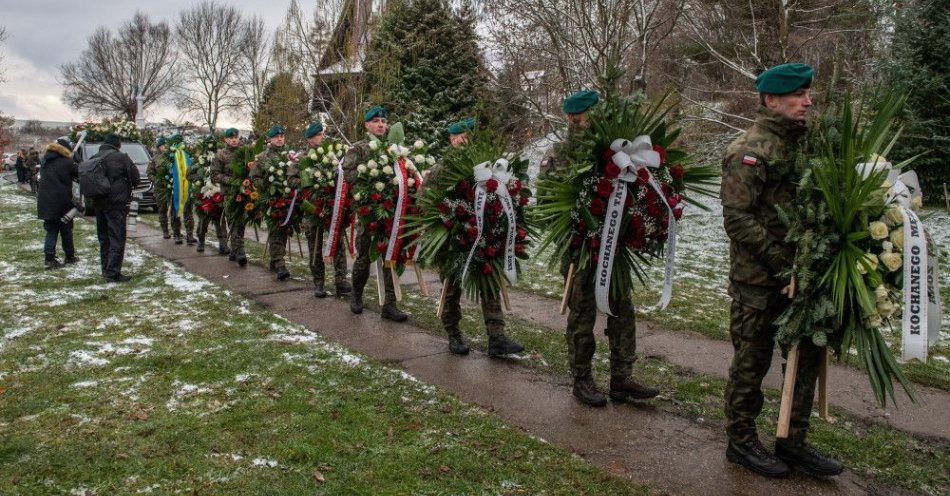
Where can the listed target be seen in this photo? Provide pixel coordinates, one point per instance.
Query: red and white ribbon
(336, 221)
(500, 172)
(630, 157)
(402, 202)
(290, 209)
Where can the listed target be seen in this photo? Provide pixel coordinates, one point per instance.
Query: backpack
(93, 182)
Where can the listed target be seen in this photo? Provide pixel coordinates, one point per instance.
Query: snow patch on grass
(83, 358)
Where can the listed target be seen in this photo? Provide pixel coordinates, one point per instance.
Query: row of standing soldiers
(757, 180)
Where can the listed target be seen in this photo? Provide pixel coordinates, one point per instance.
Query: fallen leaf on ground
(140, 415)
(444, 469)
(317, 475)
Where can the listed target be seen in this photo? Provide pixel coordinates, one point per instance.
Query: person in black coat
(21, 166)
(55, 198)
(112, 210)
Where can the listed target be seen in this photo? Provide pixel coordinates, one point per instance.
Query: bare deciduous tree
(255, 68)
(113, 69)
(299, 44)
(3, 37)
(211, 39)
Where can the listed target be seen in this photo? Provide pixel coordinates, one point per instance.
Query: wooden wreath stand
(788, 390)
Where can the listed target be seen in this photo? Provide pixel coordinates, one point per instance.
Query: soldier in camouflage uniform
(376, 124)
(759, 176)
(152, 172)
(621, 328)
(221, 175)
(277, 237)
(498, 343)
(220, 227)
(314, 134)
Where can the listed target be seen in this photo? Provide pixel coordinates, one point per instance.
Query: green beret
(313, 130)
(462, 126)
(160, 141)
(230, 132)
(785, 78)
(274, 131)
(580, 101)
(377, 111)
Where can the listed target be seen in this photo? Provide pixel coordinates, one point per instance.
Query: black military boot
(457, 343)
(588, 393)
(201, 246)
(807, 459)
(178, 240)
(282, 273)
(626, 389)
(232, 257)
(71, 260)
(343, 289)
(242, 260)
(753, 456)
(223, 247)
(191, 239)
(318, 290)
(392, 312)
(52, 263)
(165, 235)
(501, 345)
(356, 302)
(273, 266)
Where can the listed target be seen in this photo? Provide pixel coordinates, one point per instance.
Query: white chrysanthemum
(418, 144)
(312, 155)
(285, 182)
(336, 161)
(379, 186)
(372, 164)
(271, 178)
(373, 145)
(384, 160)
(388, 170)
(357, 196)
(412, 182)
(318, 174)
(430, 160)
(395, 180)
(361, 169)
(419, 159)
(373, 172)
(280, 172)
(326, 159)
(331, 183)
(286, 190)
(339, 147)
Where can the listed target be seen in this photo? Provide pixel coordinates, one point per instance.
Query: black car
(144, 192)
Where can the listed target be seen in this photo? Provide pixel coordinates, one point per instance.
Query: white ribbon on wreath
(499, 171)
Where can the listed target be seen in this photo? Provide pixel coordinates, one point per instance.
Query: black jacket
(55, 195)
(122, 174)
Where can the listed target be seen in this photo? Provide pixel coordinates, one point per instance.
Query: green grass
(169, 384)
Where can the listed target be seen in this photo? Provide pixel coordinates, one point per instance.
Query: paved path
(671, 454)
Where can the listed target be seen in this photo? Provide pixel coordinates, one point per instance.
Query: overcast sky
(43, 34)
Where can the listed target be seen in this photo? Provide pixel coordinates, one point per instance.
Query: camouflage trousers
(317, 265)
(491, 311)
(236, 237)
(621, 329)
(162, 207)
(753, 337)
(361, 269)
(219, 227)
(277, 246)
(189, 221)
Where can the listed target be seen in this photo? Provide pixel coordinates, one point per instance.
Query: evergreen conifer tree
(920, 63)
(424, 65)
(284, 102)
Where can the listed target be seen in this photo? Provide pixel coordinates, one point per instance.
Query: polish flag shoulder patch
(749, 160)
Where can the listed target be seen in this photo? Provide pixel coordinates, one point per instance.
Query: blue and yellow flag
(180, 186)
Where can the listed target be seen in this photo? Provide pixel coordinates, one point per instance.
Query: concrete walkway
(671, 454)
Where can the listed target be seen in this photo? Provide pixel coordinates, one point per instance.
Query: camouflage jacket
(151, 171)
(758, 175)
(358, 154)
(257, 173)
(221, 166)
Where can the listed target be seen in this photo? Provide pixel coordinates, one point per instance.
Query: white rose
(878, 230)
(286, 190)
(331, 182)
(410, 165)
(418, 144)
(379, 186)
(280, 172)
(917, 202)
(894, 216)
(892, 261)
(373, 172)
(318, 174)
(897, 238)
(868, 261)
(373, 145)
(430, 160)
(361, 169)
(388, 170)
(395, 180)
(321, 151)
(339, 147)
(372, 164)
(875, 321)
(285, 182)
(412, 182)
(885, 308)
(419, 159)
(326, 159)
(357, 196)
(271, 178)
(336, 161)
(384, 160)
(881, 292)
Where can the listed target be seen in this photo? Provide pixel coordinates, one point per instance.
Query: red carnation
(519, 248)
(491, 251)
(597, 206)
(576, 240)
(480, 253)
(444, 208)
(604, 187)
(486, 268)
(594, 243)
(448, 223)
(470, 195)
(673, 201)
(497, 206)
(662, 151)
(375, 197)
(522, 234)
(491, 184)
(473, 220)
(463, 186)
(637, 222)
(677, 213)
(667, 189)
(677, 171)
(328, 189)
(523, 200)
(653, 210)
(373, 225)
(472, 233)
(388, 204)
(611, 171)
(381, 247)
(643, 176)
(364, 211)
